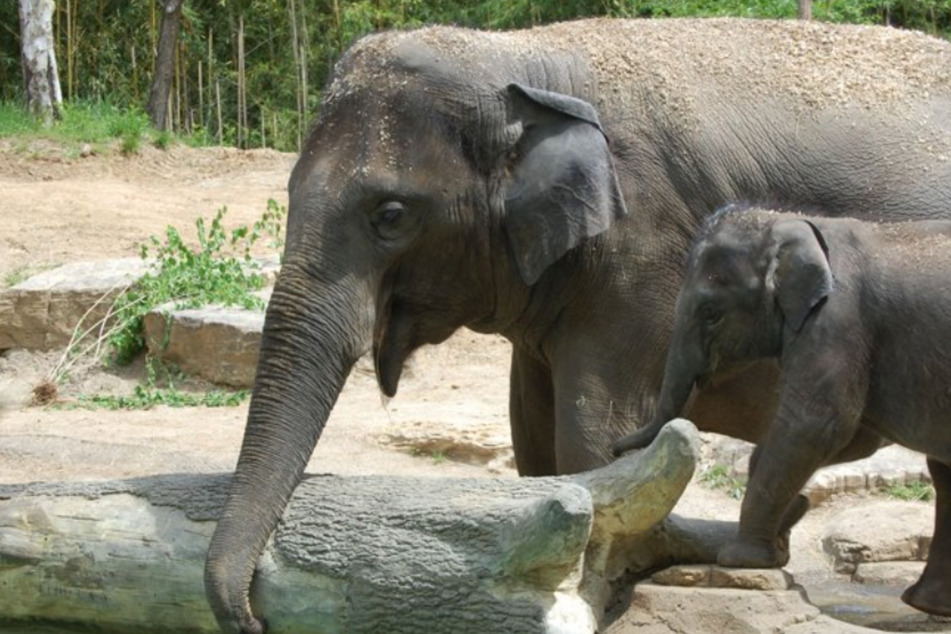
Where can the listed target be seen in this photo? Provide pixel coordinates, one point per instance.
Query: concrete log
(352, 554)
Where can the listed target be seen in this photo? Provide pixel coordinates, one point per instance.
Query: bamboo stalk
(218, 101)
(305, 46)
(242, 114)
(135, 75)
(176, 122)
(296, 51)
(69, 55)
(201, 99)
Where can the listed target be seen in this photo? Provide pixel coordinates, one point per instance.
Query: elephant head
(419, 204)
(750, 280)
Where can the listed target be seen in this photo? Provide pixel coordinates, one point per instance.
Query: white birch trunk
(38, 55)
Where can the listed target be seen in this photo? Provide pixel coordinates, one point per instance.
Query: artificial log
(352, 554)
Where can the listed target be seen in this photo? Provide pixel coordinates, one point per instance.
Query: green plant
(437, 456)
(163, 140)
(17, 275)
(917, 491)
(220, 271)
(720, 477)
(152, 392)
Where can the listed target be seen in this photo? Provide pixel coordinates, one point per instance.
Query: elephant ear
(562, 187)
(799, 273)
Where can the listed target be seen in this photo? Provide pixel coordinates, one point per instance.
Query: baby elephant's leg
(932, 592)
(811, 428)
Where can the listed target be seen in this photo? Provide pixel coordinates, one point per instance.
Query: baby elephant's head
(750, 275)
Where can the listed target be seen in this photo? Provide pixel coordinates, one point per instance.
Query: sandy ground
(55, 210)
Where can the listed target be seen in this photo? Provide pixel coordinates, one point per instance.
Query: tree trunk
(805, 9)
(358, 554)
(38, 56)
(164, 64)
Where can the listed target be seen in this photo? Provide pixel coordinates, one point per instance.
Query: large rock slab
(660, 609)
(890, 466)
(42, 312)
(359, 554)
(217, 343)
(893, 465)
(878, 532)
(719, 577)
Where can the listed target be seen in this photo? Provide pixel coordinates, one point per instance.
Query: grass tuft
(917, 491)
(721, 478)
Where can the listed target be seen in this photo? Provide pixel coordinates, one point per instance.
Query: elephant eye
(390, 219)
(710, 315)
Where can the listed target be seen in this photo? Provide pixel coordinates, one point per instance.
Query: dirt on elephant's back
(812, 64)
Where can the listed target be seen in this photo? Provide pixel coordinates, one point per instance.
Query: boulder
(877, 532)
(42, 312)
(718, 577)
(355, 554)
(217, 343)
(661, 609)
(889, 466)
(901, 574)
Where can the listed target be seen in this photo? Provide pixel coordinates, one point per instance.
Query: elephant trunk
(307, 351)
(684, 366)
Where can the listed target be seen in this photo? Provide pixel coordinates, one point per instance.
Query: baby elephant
(859, 317)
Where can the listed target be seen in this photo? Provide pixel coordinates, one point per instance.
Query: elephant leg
(813, 427)
(932, 592)
(791, 516)
(532, 415)
(863, 444)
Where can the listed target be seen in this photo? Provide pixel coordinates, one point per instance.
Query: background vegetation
(105, 48)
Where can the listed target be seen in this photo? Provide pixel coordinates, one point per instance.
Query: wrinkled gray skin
(859, 316)
(541, 186)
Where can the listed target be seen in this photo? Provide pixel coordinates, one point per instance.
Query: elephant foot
(746, 554)
(929, 595)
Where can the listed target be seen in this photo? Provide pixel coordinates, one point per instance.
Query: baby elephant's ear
(561, 187)
(799, 273)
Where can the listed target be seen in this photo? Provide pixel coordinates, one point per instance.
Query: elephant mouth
(388, 355)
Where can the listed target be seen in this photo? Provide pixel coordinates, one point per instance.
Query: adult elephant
(546, 185)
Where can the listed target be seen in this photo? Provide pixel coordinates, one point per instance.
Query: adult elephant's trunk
(685, 363)
(313, 334)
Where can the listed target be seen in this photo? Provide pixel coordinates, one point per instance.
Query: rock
(683, 576)
(41, 312)
(217, 343)
(880, 531)
(889, 466)
(750, 578)
(719, 577)
(357, 554)
(888, 573)
(658, 609)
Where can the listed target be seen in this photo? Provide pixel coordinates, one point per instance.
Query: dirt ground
(55, 210)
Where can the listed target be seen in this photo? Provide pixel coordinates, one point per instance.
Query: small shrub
(17, 275)
(163, 140)
(720, 477)
(154, 392)
(914, 491)
(220, 271)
